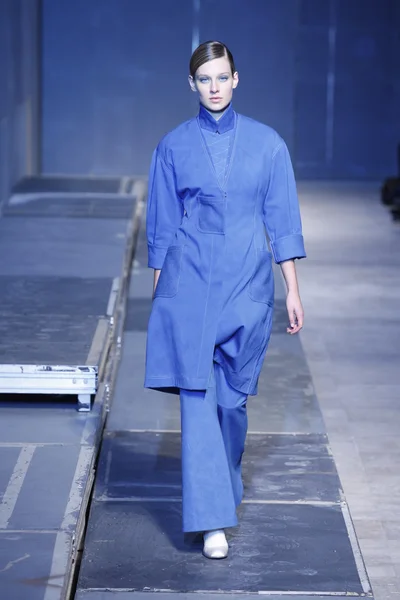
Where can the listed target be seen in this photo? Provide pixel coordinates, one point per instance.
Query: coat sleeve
(164, 210)
(281, 209)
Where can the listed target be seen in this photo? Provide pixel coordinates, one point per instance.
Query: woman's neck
(217, 114)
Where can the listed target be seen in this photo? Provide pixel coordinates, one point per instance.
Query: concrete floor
(134, 541)
(350, 287)
(61, 259)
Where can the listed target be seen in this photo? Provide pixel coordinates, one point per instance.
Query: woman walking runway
(217, 184)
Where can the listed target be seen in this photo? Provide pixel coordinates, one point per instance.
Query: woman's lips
(215, 99)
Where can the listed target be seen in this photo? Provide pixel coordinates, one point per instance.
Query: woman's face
(215, 83)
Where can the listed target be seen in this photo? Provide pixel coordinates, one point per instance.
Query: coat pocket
(261, 286)
(211, 217)
(168, 282)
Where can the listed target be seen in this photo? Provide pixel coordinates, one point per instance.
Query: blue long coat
(214, 298)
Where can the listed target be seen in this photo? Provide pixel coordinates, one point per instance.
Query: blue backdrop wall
(19, 91)
(324, 73)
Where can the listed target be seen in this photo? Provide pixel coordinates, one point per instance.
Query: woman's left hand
(295, 312)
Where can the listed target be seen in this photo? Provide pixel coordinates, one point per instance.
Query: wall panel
(324, 73)
(114, 82)
(19, 92)
(260, 35)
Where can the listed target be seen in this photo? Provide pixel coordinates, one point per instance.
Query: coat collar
(225, 123)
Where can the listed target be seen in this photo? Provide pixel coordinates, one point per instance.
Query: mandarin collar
(225, 123)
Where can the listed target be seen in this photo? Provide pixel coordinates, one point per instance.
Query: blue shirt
(218, 135)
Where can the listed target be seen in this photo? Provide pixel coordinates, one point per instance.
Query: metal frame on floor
(67, 379)
(82, 380)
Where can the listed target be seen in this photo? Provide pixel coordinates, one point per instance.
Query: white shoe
(215, 544)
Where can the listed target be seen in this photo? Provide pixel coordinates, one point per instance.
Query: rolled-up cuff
(156, 256)
(288, 247)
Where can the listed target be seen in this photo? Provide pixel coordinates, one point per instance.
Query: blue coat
(214, 298)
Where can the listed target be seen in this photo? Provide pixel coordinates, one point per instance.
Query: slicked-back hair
(208, 51)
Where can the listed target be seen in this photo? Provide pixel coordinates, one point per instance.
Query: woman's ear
(235, 79)
(192, 84)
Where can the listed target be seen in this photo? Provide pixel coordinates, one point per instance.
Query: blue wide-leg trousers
(214, 427)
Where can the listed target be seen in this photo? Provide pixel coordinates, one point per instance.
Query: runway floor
(321, 512)
(62, 258)
(316, 461)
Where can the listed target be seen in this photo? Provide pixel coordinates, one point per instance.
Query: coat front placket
(212, 219)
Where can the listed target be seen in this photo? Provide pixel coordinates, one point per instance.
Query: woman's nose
(214, 86)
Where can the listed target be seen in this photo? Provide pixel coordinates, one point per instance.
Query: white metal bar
(46, 379)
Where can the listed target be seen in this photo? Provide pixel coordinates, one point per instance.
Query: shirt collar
(225, 123)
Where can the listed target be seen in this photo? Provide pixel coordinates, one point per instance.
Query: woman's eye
(203, 80)
(223, 78)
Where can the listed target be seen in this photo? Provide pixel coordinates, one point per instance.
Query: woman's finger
(300, 320)
(292, 318)
(295, 321)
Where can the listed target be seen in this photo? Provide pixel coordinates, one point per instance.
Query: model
(217, 184)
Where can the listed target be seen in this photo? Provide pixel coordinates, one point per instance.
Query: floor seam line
(149, 430)
(179, 499)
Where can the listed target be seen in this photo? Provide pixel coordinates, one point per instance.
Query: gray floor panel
(25, 560)
(275, 467)
(8, 458)
(50, 475)
(48, 328)
(137, 314)
(286, 401)
(59, 183)
(50, 320)
(135, 407)
(114, 207)
(277, 547)
(279, 413)
(290, 467)
(62, 247)
(102, 232)
(280, 406)
(44, 421)
(71, 296)
(66, 259)
(39, 350)
(139, 464)
(48, 354)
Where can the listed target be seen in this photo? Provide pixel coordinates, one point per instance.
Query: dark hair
(208, 51)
